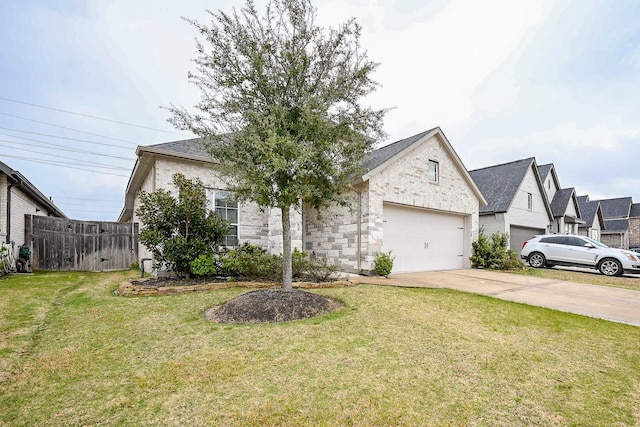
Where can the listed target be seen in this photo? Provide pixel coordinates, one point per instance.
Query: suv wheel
(610, 267)
(536, 260)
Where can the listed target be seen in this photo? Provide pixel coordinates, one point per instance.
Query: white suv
(578, 251)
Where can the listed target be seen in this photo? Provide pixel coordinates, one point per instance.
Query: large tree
(281, 106)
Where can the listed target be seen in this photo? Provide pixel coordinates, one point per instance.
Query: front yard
(72, 353)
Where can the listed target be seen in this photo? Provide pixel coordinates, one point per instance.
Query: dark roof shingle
(561, 201)
(500, 183)
(616, 208)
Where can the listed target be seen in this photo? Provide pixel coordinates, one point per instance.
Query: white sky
(505, 80)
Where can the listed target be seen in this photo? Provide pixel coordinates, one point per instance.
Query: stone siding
(351, 236)
(333, 234)
(253, 224)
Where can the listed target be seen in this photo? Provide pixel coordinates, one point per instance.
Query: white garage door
(423, 240)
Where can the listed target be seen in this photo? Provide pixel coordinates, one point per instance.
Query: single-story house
(517, 201)
(19, 197)
(415, 198)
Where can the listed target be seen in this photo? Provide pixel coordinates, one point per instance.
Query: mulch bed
(272, 305)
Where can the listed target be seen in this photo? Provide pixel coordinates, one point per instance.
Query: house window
(433, 171)
(225, 205)
(529, 201)
(595, 235)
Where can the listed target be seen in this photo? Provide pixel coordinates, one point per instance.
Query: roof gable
(589, 211)
(379, 159)
(500, 183)
(561, 202)
(616, 208)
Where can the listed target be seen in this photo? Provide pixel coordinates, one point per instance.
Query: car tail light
(525, 244)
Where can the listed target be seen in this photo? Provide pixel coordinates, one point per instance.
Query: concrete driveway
(603, 302)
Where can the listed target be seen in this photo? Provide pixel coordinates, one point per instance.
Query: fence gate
(66, 244)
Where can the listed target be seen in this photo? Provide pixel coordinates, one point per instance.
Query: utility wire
(59, 147)
(90, 116)
(62, 164)
(67, 128)
(85, 162)
(63, 137)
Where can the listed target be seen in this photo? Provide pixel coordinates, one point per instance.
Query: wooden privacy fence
(65, 244)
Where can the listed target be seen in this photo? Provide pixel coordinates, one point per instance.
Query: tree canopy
(281, 106)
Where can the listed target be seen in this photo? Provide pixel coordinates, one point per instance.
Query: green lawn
(72, 353)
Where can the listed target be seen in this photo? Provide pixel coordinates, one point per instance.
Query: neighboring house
(517, 201)
(415, 198)
(593, 218)
(616, 213)
(19, 197)
(634, 226)
(566, 212)
(563, 201)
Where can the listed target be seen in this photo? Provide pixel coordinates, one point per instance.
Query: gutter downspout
(9, 187)
(359, 233)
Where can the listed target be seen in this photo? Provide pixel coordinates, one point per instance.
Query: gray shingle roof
(192, 147)
(616, 208)
(560, 201)
(583, 199)
(382, 154)
(544, 170)
(500, 183)
(196, 147)
(635, 211)
(588, 210)
(614, 226)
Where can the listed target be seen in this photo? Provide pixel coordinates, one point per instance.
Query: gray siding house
(592, 216)
(517, 201)
(415, 198)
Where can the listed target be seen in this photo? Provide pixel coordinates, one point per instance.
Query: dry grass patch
(392, 357)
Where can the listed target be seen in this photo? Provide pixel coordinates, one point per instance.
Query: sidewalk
(603, 302)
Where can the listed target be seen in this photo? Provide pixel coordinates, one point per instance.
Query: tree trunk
(286, 249)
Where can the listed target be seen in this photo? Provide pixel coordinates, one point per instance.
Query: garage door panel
(423, 240)
(518, 235)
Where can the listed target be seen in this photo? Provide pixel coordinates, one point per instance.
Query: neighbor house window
(432, 171)
(595, 235)
(529, 201)
(225, 205)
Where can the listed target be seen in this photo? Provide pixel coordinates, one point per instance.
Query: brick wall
(634, 232)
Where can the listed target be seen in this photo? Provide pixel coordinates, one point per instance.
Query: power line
(85, 162)
(66, 128)
(59, 147)
(91, 117)
(62, 137)
(63, 164)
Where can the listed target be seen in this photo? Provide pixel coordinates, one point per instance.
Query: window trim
(436, 179)
(211, 199)
(530, 201)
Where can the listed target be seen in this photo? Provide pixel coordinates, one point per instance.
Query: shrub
(179, 230)
(204, 266)
(251, 261)
(383, 263)
(492, 252)
(319, 270)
